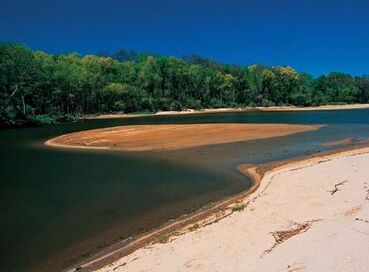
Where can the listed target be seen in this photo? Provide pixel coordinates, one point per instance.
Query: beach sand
(224, 110)
(309, 215)
(170, 137)
(324, 107)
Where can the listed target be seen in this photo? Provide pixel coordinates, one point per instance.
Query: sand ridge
(171, 137)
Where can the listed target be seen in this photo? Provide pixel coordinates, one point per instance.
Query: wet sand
(171, 137)
(301, 209)
(339, 142)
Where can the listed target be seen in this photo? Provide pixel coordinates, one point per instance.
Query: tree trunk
(9, 99)
(23, 105)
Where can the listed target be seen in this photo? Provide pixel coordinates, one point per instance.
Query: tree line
(36, 87)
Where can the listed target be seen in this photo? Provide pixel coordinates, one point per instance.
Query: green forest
(38, 88)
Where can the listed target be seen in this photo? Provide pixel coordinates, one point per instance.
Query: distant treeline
(42, 88)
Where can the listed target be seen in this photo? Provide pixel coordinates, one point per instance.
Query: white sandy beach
(306, 216)
(223, 110)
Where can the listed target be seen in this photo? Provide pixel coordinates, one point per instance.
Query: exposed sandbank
(345, 141)
(170, 137)
(310, 215)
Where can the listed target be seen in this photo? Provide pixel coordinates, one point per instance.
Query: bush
(43, 119)
(118, 106)
(65, 118)
(215, 103)
(238, 208)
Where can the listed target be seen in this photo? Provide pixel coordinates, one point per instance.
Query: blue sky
(312, 36)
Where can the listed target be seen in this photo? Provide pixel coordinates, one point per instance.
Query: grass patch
(238, 208)
(194, 227)
(162, 239)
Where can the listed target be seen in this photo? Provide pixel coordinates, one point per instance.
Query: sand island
(170, 137)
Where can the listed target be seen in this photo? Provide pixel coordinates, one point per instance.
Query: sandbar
(171, 137)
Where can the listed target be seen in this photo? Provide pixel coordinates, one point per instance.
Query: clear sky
(316, 36)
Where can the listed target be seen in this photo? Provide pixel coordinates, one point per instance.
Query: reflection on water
(57, 205)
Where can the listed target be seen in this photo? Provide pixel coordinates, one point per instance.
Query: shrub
(43, 119)
(238, 208)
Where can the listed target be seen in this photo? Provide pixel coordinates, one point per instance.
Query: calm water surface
(57, 205)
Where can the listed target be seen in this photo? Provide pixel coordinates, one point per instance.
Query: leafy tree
(301, 95)
(121, 97)
(17, 70)
(41, 88)
(149, 77)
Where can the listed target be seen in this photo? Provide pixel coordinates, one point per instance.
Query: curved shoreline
(215, 211)
(269, 235)
(171, 137)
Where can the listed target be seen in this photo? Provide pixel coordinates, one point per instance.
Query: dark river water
(58, 205)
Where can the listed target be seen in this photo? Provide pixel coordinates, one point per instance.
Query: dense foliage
(41, 88)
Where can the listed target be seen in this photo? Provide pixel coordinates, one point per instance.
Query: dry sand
(325, 107)
(221, 110)
(170, 137)
(311, 215)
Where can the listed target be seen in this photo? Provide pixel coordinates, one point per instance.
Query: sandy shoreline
(112, 259)
(230, 110)
(281, 241)
(324, 107)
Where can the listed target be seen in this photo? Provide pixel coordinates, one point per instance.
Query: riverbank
(300, 209)
(171, 137)
(230, 110)
(324, 107)
(52, 120)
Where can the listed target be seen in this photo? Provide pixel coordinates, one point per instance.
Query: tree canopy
(42, 88)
